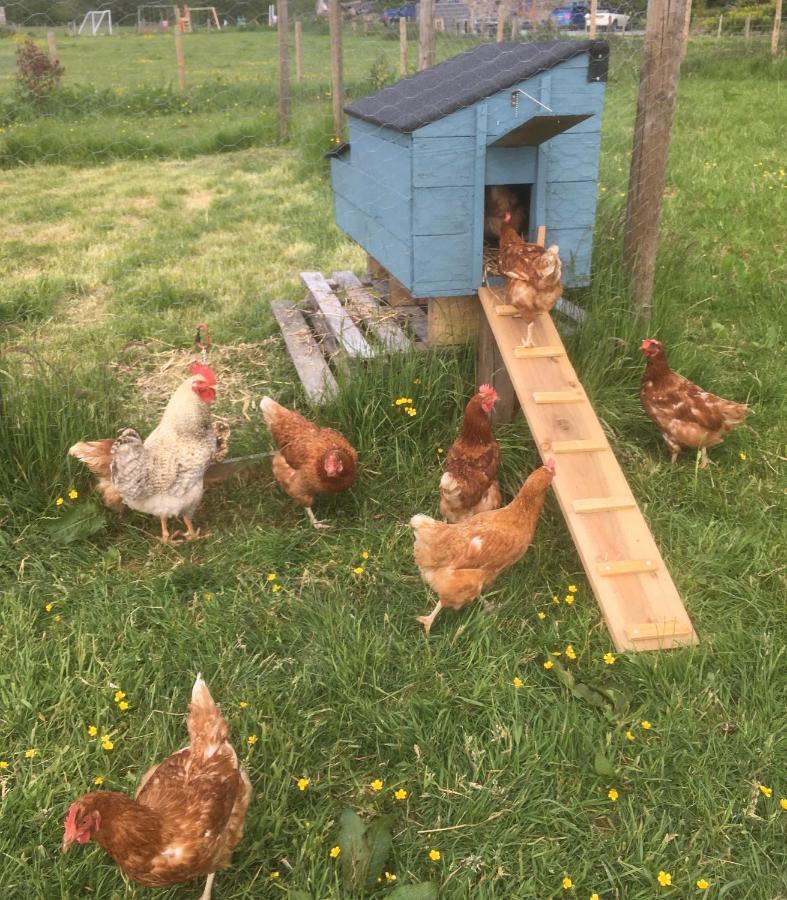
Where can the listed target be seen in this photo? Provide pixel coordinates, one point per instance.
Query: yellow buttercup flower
(3, 764)
(765, 791)
(335, 852)
(567, 883)
(572, 589)
(517, 682)
(702, 884)
(99, 779)
(119, 695)
(72, 495)
(358, 570)
(60, 501)
(48, 607)
(106, 743)
(272, 576)
(548, 664)
(630, 736)
(646, 725)
(743, 456)
(401, 794)
(29, 754)
(557, 653)
(365, 554)
(783, 802)
(303, 783)
(542, 616)
(92, 730)
(555, 599)
(609, 659)
(570, 652)
(612, 794)
(664, 878)
(595, 897)
(123, 705)
(276, 588)
(57, 618)
(440, 450)
(243, 704)
(435, 855)
(377, 784)
(390, 877)
(252, 739)
(568, 599)
(274, 875)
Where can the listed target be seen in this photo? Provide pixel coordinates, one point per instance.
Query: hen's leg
(192, 533)
(314, 520)
(427, 621)
(528, 340)
(208, 887)
(166, 537)
(704, 458)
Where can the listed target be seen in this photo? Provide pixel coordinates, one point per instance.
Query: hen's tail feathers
(207, 729)
(97, 456)
(270, 409)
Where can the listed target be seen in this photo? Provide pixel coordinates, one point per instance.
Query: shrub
(37, 76)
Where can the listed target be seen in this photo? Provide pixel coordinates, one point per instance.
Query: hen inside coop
(501, 200)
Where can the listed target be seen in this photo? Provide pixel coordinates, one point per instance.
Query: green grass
(107, 269)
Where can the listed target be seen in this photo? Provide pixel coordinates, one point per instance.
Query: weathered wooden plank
(625, 567)
(378, 319)
(344, 329)
(602, 504)
(521, 352)
(384, 204)
(491, 370)
(650, 631)
(511, 165)
(443, 210)
(443, 162)
(361, 126)
(456, 124)
(415, 319)
(629, 599)
(578, 446)
(570, 204)
(574, 157)
(316, 378)
(544, 398)
(441, 258)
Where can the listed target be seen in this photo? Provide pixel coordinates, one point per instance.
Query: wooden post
(747, 31)
(402, 45)
(298, 51)
(490, 369)
(52, 43)
(501, 22)
(426, 34)
(180, 56)
(284, 70)
(658, 90)
(514, 28)
(777, 24)
(721, 22)
(593, 10)
(337, 82)
(453, 320)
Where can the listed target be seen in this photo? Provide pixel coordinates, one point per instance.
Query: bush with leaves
(36, 75)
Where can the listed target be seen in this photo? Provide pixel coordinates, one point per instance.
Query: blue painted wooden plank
(570, 204)
(480, 198)
(425, 290)
(574, 157)
(446, 258)
(538, 206)
(390, 163)
(455, 124)
(511, 165)
(383, 205)
(358, 127)
(575, 250)
(443, 162)
(442, 210)
(391, 252)
(590, 101)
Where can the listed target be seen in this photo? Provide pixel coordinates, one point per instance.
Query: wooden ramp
(637, 596)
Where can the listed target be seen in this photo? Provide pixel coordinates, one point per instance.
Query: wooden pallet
(340, 323)
(639, 601)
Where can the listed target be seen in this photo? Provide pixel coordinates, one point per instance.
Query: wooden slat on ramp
(639, 601)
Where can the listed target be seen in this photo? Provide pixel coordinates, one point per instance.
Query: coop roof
(463, 80)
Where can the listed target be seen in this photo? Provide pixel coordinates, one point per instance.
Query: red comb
(507, 217)
(205, 371)
(486, 390)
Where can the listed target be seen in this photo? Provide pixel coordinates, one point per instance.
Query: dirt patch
(142, 203)
(200, 200)
(88, 309)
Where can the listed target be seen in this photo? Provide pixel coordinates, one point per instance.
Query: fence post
(298, 51)
(593, 10)
(402, 45)
(658, 89)
(514, 24)
(425, 34)
(52, 43)
(747, 30)
(284, 70)
(337, 83)
(777, 24)
(180, 56)
(501, 22)
(721, 23)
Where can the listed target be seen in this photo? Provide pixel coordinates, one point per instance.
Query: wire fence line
(148, 81)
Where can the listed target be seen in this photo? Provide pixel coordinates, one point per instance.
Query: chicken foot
(314, 520)
(192, 533)
(428, 621)
(208, 887)
(528, 341)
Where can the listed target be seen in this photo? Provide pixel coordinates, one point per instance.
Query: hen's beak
(67, 842)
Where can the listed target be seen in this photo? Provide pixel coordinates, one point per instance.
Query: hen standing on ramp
(459, 561)
(187, 815)
(311, 460)
(162, 476)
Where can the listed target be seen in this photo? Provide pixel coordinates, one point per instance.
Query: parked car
(408, 11)
(572, 16)
(609, 20)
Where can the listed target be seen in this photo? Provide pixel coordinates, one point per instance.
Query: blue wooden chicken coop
(410, 184)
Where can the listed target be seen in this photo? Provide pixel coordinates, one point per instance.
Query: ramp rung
(626, 567)
(578, 446)
(602, 504)
(557, 397)
(650, 631)
(536, 352)
(506, 309)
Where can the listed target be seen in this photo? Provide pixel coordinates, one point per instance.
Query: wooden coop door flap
(537, 130)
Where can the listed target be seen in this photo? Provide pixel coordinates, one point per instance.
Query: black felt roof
(461, 81)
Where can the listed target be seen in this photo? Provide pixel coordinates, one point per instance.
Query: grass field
(108, 261)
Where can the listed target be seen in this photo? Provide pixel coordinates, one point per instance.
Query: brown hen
(187, 815)
(686, 415)
(469, 484)
(532, 275)
(459, 561)
(311, 460)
